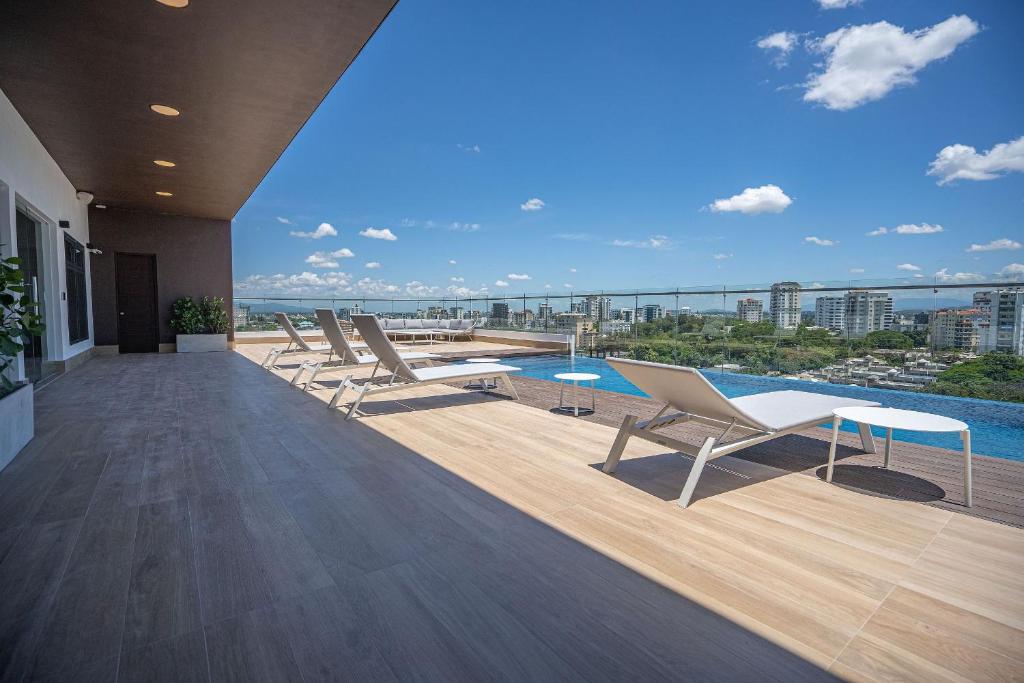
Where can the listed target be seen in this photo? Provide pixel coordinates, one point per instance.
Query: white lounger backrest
(685, 389)
(284, 322)
(332, 330)
(373, 334)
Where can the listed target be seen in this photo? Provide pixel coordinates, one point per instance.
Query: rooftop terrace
(193, 517)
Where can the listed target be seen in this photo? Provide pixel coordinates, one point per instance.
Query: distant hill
(926, 303)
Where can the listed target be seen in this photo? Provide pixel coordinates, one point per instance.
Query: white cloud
(908, 229)
(856, 271)
(908, 266)
(325, 259)
(534, 204)
(475, 149)
(456, 278)
(652, 242)
(820, 242)
(282, 219)
(780, 45)
(721, 257)
(838, 4)
(547, 286)
(572, 270)
(417, 288)
(452, 262)
(372, 265)
(755, 200)
(322, 230)
(464, 227)
(1003, 244)
(945, 276)
(962, 162)
(500, 283)
(567, 285)
(519, 276)
(379, 234)
(372, 287)
(573, 236)
(864, 63)
(1013, 271)
(299, 284)
(408, 223)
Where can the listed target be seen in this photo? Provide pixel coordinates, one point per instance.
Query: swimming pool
(997, 428)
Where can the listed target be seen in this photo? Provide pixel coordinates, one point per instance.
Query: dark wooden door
(138, 325)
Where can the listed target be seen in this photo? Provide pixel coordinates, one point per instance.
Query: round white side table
(910, 420)
(576, 378)
(482, 384)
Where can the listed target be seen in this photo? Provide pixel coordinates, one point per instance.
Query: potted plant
(19, 319)
(200, 326)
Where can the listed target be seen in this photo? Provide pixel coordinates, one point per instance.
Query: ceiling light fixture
(164, 194)
(164, 110)
(101, 206)
(177, 4)
(165, 164)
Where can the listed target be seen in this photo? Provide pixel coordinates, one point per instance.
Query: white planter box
(201, 343)
(17, 424)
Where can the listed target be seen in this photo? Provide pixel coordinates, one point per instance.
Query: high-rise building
(750, 310)
(456, 312)
(652, 312)
(627, 314)
(577, 306)
(1005, 331)
(598, 307)
(544, 311)
(954, 328)
(499, 311)
(866, 312)
(785, 305)
(830, 312)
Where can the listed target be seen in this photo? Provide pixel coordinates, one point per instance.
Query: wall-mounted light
(177, 4)
(101, 206)
(84, 197)
(165, 194)
(165, 164)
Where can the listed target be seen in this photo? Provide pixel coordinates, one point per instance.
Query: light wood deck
(193, 517)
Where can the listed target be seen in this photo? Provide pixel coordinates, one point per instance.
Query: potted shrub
(19, 319)
(200, 326)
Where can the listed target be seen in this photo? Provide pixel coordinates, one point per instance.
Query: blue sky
(610, 145)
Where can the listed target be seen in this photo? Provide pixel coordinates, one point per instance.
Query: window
(74, 264)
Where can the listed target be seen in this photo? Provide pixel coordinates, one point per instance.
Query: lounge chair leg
(352, 411)
(337, 394)
(698, 467)
(619, 445)
(507, 383)
(866, 439)
(298, 373)
(266, 361)
(272, 358)
(316, 370)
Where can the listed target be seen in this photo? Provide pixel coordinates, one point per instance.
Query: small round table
(482, 384)
(911, 420)
(576, 378)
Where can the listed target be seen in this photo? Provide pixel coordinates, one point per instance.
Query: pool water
(997, 428)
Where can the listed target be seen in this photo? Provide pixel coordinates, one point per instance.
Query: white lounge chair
(346, 351)
(403, 376)
(296, 344)
(753, 419)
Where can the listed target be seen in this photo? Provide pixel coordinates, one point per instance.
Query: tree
(888, 339)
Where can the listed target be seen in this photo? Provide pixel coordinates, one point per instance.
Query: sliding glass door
(30, 251)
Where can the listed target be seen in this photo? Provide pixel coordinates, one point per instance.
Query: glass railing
(896, 334)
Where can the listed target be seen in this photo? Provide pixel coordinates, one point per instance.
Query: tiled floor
(192, 517)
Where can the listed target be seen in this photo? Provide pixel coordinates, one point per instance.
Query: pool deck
(194, 517)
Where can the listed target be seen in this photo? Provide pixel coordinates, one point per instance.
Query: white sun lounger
(347, 352)
(296, 344)
(403, 376)
(750, 419)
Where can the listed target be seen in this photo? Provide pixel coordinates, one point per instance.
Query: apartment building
(830, 312)
(750, 310)
(866, 312)
(650, 313)
(785, 305)
(954, 328)
(1004, 330)
(499, 311)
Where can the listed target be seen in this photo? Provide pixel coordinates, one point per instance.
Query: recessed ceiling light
(101, 206)
(164, 109)
(166, 164)
(174, 3)
(164, 194)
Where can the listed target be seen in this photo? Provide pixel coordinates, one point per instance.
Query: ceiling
(245, 75)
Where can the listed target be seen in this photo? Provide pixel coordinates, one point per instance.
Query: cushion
(414, 324)
(442, 324)
(394, 324)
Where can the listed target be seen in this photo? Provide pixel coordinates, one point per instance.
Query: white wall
(31, 180)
